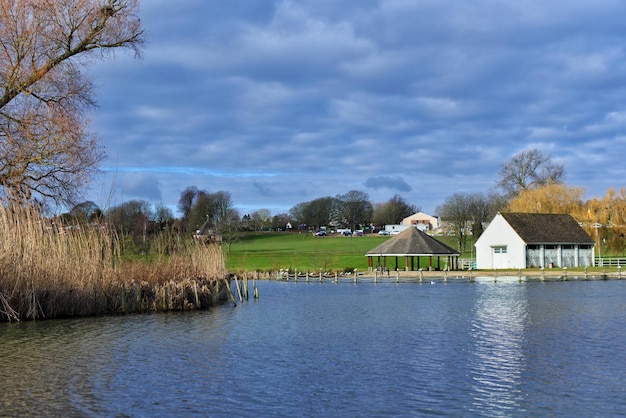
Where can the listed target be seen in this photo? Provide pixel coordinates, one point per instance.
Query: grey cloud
(384, 182)
(262, 189)
(279, 99)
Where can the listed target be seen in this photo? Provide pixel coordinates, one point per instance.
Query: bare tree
(84, 212)
(393, 211)
(354, 208)
(318, 212)
(280, 221)
(222, 209)
(482, 208)
(456, 212)
(163, 215)
(46, 149)
(261, 219)
(465, 212)
(529, 169)
(131, 217)
(297, 213)
(230, 230)
(187, 199)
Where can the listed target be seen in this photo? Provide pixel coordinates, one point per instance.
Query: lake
(325, 349)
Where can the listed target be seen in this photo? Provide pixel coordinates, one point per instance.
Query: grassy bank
(47, 271)
(275, 251)
(269, 252)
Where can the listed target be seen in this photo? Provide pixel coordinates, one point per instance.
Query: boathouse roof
(547, 228)
(412, 242)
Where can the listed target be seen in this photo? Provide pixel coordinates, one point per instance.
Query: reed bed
(48, 271)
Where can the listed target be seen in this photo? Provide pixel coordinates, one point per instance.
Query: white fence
(466, 263)
(610, 261)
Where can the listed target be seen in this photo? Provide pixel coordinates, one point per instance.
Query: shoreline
(553, 273)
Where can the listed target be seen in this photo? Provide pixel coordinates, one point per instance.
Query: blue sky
(282, 102)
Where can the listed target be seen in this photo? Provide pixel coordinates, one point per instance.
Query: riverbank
(547, 274)
(50, 270)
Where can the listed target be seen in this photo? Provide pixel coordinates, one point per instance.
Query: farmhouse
(525, 240)
(421, 221)
(207, 233)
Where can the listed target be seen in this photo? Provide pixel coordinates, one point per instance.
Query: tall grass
(47, 271)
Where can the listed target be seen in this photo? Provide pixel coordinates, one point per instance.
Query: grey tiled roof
(536, 228)
(412, 241)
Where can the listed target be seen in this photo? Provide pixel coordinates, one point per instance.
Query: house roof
(535, 228)
(412, 241)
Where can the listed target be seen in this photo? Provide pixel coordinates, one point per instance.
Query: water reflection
(497, 360)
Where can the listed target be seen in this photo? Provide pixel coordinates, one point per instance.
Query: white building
(525, 240)
(421, 221)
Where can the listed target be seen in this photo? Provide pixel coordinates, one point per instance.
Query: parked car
(358, 233)
(396, 232)
(346, 233)
(383, 232)
(320, 234)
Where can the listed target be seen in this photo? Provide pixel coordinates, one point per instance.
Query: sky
(282, 102)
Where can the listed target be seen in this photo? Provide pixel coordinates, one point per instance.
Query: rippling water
(312, 349)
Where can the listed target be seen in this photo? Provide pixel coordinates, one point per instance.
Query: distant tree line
(529, 182)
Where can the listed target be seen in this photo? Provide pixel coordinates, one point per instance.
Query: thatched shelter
(411, 244)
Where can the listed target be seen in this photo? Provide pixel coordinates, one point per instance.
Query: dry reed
(47, 271)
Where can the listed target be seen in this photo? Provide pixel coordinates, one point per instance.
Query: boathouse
(405, 250)
(526, 240)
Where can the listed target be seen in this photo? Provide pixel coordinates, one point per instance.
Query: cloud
(383, 182)
(275, 101)
(262, 189)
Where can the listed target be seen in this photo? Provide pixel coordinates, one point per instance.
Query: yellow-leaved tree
(553, 198)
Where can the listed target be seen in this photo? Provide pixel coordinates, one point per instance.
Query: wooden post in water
(230, 293)
(320, 275)
(138, 296)
(123, 299)
(585, 272)
(375, 276)
(217, 290)
(238, 289)
(564, 274)
(354, 276)
(195, 292)
(519, 274)
(306, 277)
(543, 274)
(256, 290)
(245, 285)
(421, 276)
(619, 272)
(336, 277)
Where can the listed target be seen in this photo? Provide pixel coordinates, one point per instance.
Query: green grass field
(274, 251)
